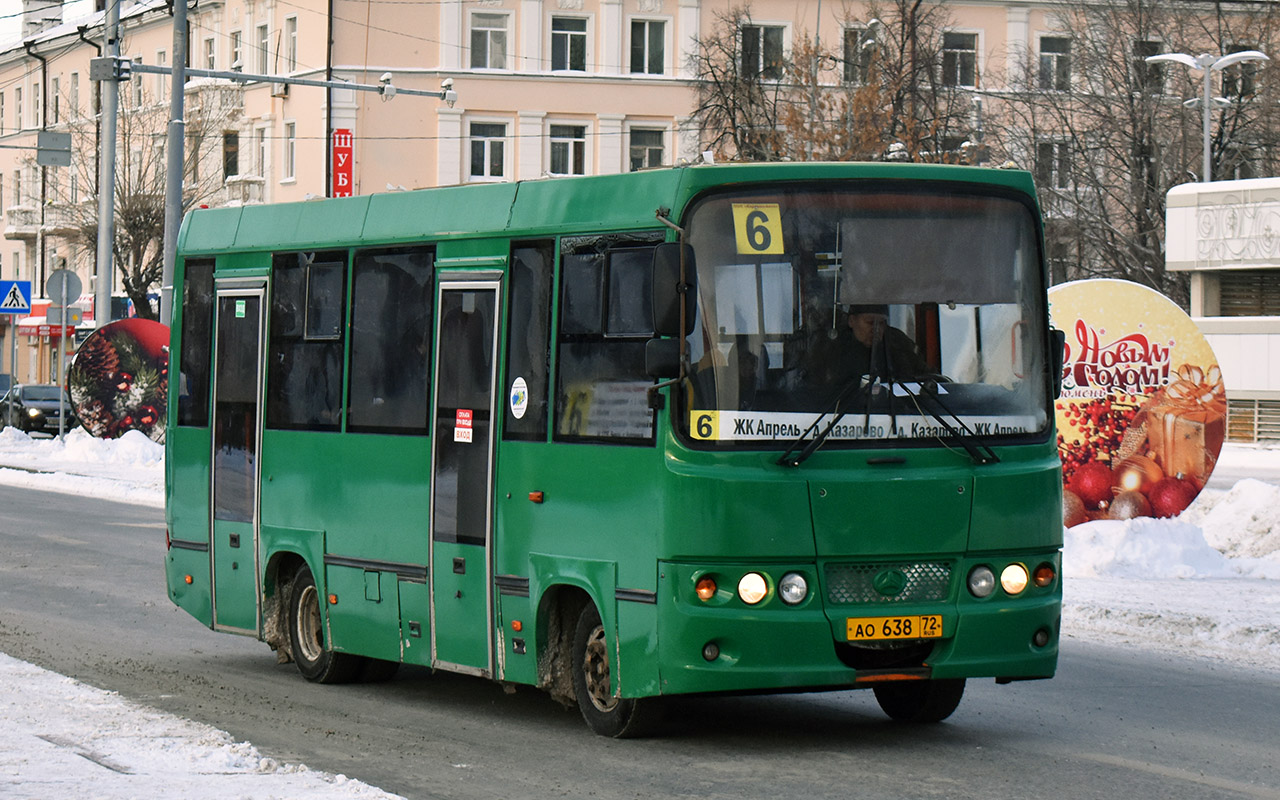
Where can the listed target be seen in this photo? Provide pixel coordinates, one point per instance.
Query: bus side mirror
(662, 358)
(668, 291)
(1057, 355)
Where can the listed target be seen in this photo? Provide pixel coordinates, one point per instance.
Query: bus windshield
(878, 312)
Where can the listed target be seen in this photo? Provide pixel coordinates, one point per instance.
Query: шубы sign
(1142, 416)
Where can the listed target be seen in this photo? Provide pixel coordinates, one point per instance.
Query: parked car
(33, 407)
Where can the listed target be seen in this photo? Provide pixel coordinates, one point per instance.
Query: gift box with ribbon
(1186, 423)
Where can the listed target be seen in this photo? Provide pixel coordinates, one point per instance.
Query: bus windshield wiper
(959, 432)
(838, 408)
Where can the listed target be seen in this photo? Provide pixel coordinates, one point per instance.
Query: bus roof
(624, 201)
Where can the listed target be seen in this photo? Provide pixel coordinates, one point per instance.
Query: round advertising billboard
(1142, 416)
(119, 379)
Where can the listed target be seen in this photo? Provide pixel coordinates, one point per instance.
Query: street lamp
(1208, 64)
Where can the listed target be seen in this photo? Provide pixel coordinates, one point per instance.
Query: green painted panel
(462, 624)
(195, 598)
(358, 624)
(235, 587)
(448, 211)
(415, 623)
(209, 229)
(1017, 503)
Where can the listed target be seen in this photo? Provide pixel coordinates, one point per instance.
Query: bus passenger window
(197, 343)
(528, 341)
(606, 319)
(304, 370)
(391, 313)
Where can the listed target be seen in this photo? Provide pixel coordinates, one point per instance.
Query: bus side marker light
(517, 625)
(711, 651)
(1044, 575)
(1040, 638)
(706, 588)
(535, 497)
(982, 581)
(1013, 579)
(752, 588)
(188, 579)
(333, 599)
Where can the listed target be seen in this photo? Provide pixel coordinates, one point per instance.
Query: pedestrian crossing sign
(15, 297)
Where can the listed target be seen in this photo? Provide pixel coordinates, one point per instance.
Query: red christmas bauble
(1092, 482)
(1128, 505)
(1171, 496)
(1073, 512)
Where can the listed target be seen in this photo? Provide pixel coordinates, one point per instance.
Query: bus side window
(528, 340)
(197, 343)
(391, 313)
(605, 321)
(304, 369)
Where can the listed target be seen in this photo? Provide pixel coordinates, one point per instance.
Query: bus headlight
(793, 588)
(982, 581)
(1013, 578)
(752, 588)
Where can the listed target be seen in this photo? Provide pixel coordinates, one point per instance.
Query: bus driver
(879, 349)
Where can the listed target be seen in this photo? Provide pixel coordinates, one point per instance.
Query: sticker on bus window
(519, 398)
(462, 425)
(758, 228)
(240, 309)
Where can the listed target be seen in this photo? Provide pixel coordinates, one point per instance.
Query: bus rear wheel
(605, 712)
(920, 701)
(306, 636)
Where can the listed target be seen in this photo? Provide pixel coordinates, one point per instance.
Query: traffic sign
(63, 287)
(15, 297)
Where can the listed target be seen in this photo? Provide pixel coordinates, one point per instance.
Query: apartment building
(545, 88)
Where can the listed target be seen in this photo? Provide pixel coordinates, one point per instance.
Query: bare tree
(879, 82)
(1107, 133)
(214, 108)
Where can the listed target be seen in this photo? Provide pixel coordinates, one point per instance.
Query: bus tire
(604, 712)
(920, 701)
(315, 661)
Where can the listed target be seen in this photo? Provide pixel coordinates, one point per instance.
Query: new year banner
(1142, 415)
(119, 379)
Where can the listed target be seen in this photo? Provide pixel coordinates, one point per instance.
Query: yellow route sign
(758, 228)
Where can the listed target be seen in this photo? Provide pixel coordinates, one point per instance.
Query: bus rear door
(462, 473)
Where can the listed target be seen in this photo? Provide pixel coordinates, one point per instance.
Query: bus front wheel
(605, 712)
(306, 636)
(920, 701)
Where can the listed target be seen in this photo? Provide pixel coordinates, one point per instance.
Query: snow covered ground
(1207, 582)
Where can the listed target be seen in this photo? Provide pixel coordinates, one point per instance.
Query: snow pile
(62, 738)
(129, 469)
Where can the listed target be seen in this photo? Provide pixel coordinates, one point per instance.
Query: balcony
(21, 222)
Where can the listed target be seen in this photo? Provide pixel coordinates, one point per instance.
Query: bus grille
(855, 583)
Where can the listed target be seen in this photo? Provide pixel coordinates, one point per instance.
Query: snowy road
(1143, 715)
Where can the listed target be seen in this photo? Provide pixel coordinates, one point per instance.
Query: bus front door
(462, 474)
(237, 393)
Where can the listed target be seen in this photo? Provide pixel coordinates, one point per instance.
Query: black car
(33, 407)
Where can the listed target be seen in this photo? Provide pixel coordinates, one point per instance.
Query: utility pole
(174, 156)
(107, 174)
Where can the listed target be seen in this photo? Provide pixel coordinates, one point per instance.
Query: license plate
(866, 629)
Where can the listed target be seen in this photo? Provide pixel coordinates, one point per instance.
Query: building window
(648, 45)
(230, 154)
(568, 150)
(137, 84)
(210, 53)
(73, 96)
(1147, 78)
(237, 50)
(55, 90)
(264, 50)
(487, 151)
(859, 50)
(1240, 80)
(762, 51)
(19, 122)
(2, 113)
(1249, 292)
(290, 44)
(488, 41)
(290, 150)
(260, 146)
(1055, 63)
(960, 59)
(162, 81)
(35, 103)
(1053, 165)
(569, 44)
(646, 148)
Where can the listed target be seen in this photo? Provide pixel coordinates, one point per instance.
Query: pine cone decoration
(98, 357)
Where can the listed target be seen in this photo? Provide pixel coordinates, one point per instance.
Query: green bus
(715, 428)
